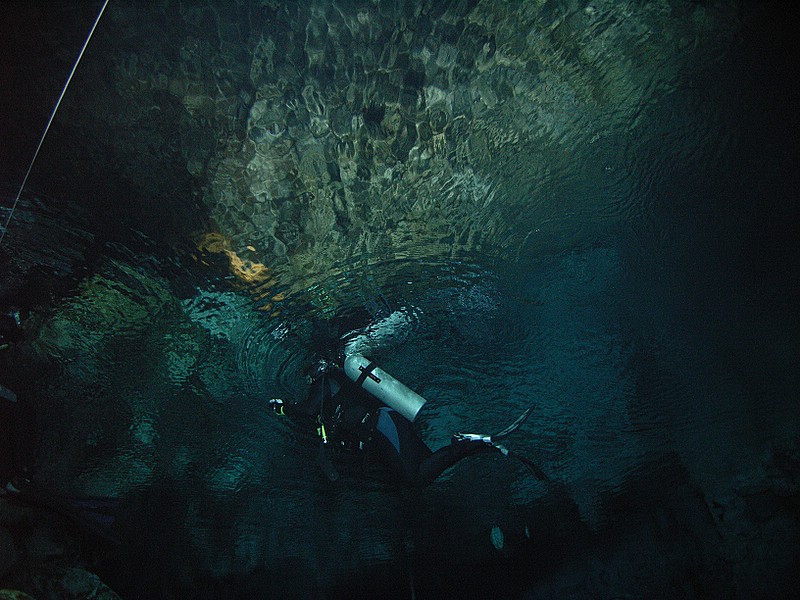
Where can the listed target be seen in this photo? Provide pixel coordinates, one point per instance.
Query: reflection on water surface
(555, 200)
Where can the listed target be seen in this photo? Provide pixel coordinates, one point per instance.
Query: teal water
(582, 207)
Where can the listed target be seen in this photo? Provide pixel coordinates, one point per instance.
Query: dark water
(604, 228)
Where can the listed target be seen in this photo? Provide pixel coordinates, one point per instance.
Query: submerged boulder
(71, 583)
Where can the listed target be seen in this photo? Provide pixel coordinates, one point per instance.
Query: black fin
(94, 512)
(514, 426)
(533, 468)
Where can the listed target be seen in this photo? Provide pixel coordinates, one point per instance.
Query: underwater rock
(99, 420)
(14, 595)
(41, 557)
(72, 583)
(118, 302)
(756, 522)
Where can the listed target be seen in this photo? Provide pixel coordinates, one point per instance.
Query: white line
(52, 116)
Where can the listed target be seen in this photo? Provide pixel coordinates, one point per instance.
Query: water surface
(585, 209)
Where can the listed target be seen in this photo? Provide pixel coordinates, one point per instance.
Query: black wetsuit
(17, 438)
(9, 326)
(18, 427)
(353, 418)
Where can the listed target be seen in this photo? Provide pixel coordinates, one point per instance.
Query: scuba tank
(383, 386)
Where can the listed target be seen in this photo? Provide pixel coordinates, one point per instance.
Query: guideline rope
(50, 121)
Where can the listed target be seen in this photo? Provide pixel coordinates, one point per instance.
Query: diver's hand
(318, 369)
(277, 405)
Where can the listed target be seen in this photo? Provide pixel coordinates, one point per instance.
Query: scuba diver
(355, 405)
(18, 425)
(10, 326)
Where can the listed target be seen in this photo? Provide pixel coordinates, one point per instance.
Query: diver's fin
(7, 394)
(95, 512)
(92, 508)
(533, 468)
(490, 439)
(514, 426)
